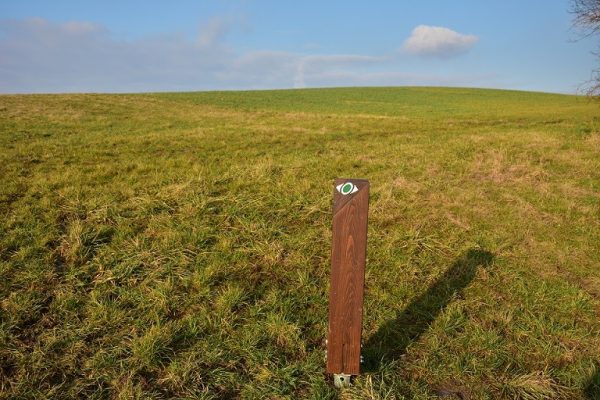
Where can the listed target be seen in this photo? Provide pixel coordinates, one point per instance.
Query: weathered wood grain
(348, 257)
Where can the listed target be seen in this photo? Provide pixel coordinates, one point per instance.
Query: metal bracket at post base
(341, 380)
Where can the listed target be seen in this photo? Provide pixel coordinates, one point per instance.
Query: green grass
(177, 245)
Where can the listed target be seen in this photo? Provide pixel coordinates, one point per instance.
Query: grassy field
(177, 245)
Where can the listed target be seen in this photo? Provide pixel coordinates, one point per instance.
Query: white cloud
(438, 41)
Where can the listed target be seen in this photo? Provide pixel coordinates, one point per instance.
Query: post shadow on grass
(592, 391)
(394, 336)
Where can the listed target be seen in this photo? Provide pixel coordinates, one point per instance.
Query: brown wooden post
(348, 258)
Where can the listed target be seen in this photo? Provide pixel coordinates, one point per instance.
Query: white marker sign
(347, 188)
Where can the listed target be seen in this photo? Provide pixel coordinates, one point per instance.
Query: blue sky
(134, 46)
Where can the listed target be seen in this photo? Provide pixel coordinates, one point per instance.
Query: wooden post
(348, 258)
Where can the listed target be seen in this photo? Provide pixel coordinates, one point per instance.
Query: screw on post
(348, 259)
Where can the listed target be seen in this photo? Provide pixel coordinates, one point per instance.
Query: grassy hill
(177, 244)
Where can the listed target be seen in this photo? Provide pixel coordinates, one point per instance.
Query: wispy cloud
(398, 78)
(308, 64)
(259, 70)
(38, 55)
(213, 32)
(438, 41)
(42, 56)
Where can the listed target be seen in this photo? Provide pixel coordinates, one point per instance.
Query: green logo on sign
(347, 188)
